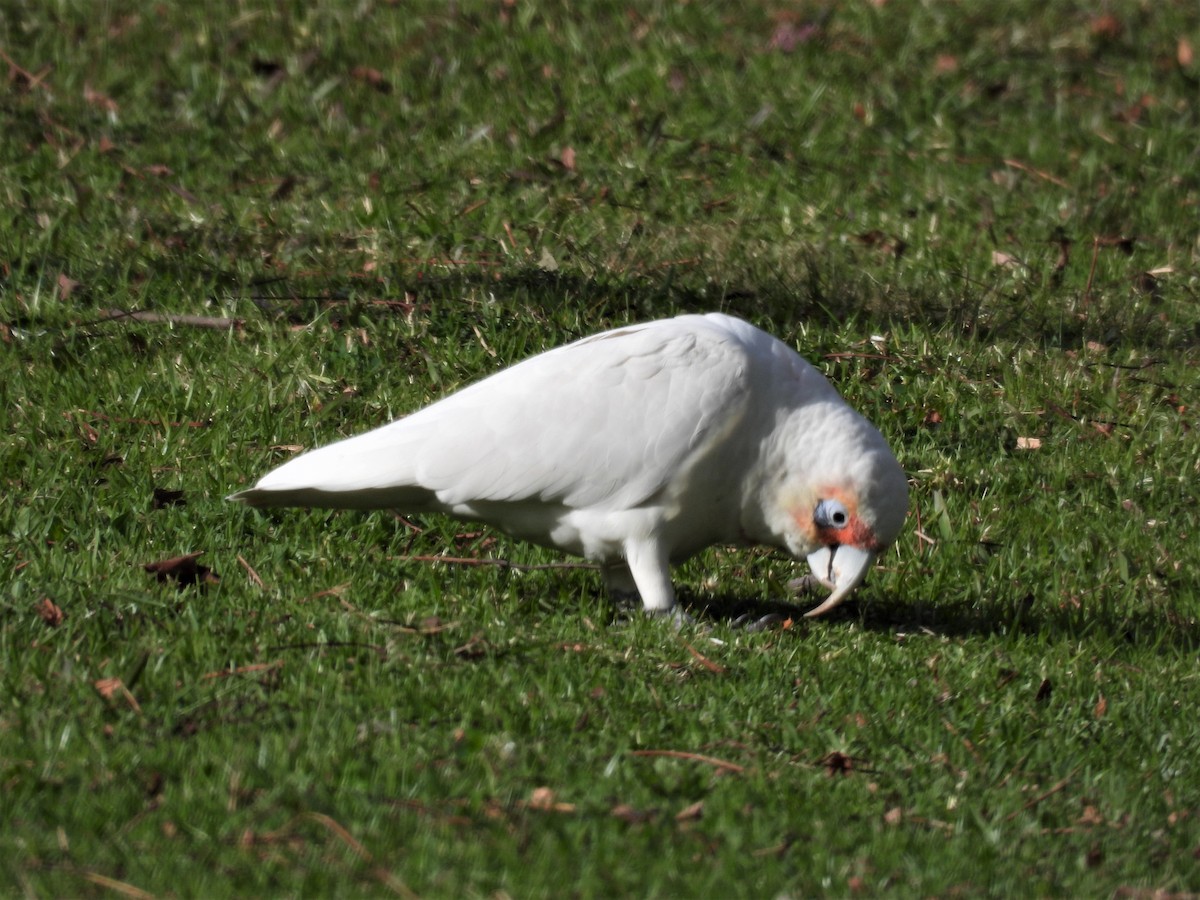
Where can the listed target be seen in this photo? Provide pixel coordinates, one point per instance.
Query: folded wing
(605, 423)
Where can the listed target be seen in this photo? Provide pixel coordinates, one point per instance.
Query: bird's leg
(650, 569)
(618, 584)
(618, 580)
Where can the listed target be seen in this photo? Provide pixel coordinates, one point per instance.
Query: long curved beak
(841, 569)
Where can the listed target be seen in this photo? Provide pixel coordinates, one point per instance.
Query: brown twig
(848, 355)
(128, 421)
(123, 888)
(325, 645)
(501, 563)
(704, 660)
(33, 80)
(1097, 243)
(670, 263)
(352, 843)
(694, 757)
(341, 831)
(1087, 290)
(1040, 797)
(448, 818)
(335, 591)
(243, 670)
(218, 323)
(258, 582)
(966, 741)
(1017, 164)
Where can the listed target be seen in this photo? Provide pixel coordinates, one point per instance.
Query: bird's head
(842, 507)
(849, 529)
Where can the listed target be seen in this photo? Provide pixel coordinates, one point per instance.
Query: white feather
(635, 448)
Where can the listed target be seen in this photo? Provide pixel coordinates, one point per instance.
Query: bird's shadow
(1158, 628)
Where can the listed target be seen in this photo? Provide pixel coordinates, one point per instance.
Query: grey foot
(748, 622)
(676, 615)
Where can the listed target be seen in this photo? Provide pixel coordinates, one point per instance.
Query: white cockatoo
(635, 448)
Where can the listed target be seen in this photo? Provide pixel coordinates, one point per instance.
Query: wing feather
(604, 422)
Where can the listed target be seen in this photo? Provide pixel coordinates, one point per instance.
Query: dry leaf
(180, 191)
(837, 763)
(99, 100)
(875, 238)
(1184, 53)
(893, 816)
(789, 35)
(1101, 707)
(266, 68)
(631, 816)
(66, 286)
(543, 798)
(1029, 443)
(163, 498)
(1004, 260)
(567, 158)
(476, 647)
(373, 77)
(183, 569)
(107, 687)
(1107, 27)
(50, 612)
(1147, 284)
(1090, 816)
(945, 64)
(285, 188)
(1064, 253)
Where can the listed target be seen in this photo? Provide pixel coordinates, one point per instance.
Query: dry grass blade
(725, 765)
(219, 323)
(121, 887)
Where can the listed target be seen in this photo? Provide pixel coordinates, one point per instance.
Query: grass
(981, 222)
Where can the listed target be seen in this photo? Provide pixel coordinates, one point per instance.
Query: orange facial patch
(854, 533)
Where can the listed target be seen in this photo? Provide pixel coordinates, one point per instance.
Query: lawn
(233, 230)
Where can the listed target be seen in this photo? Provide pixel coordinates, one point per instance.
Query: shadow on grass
(820, 290)
(616, 296)
(1151, 628)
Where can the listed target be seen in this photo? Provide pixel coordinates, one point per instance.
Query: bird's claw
(747, 622)
(676, 615)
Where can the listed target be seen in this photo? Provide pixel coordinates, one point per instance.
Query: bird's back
(604, 422)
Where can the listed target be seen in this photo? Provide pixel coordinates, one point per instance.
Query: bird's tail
(370, 471)
(406, 497)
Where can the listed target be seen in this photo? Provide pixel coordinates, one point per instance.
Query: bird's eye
(831, 514)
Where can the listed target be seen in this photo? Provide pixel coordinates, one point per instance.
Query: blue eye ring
(831, 514)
